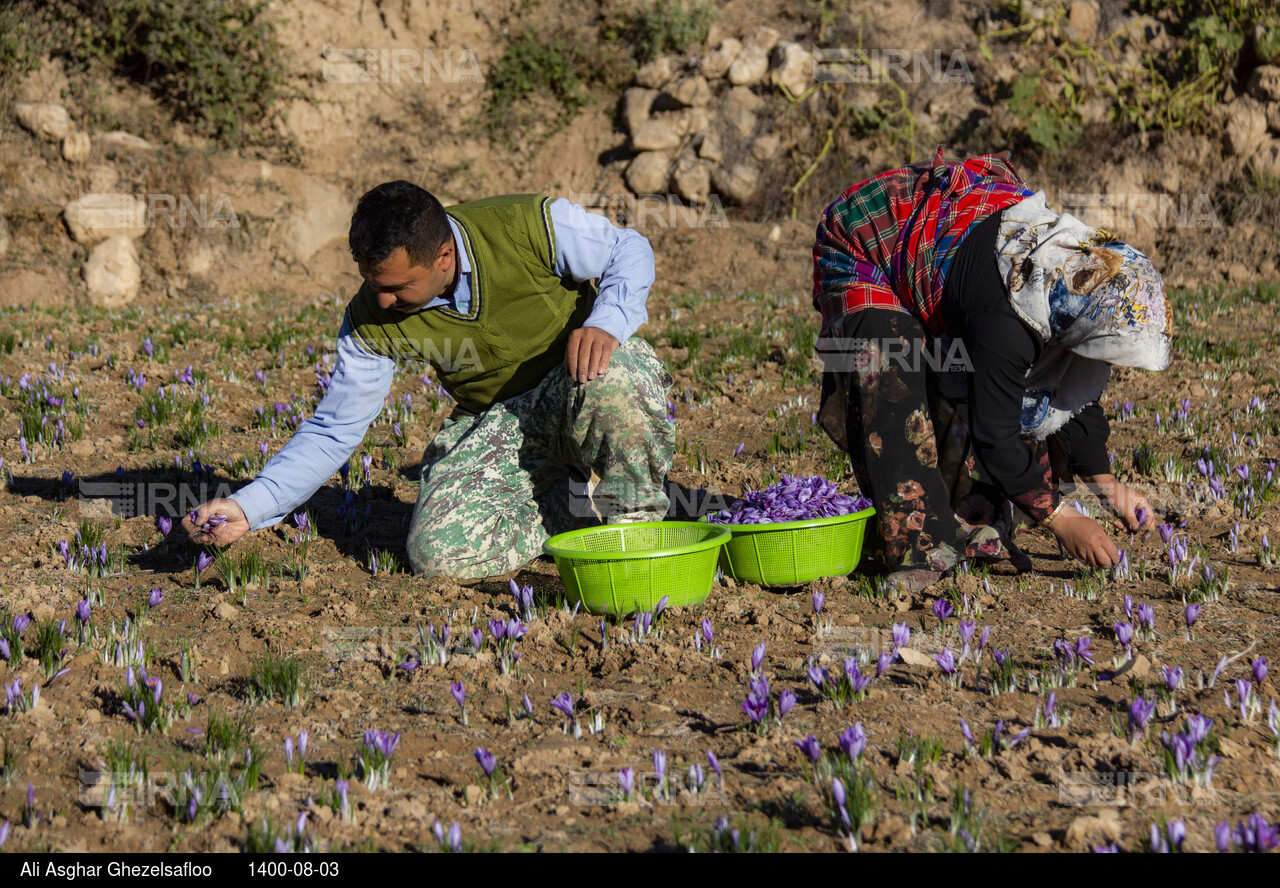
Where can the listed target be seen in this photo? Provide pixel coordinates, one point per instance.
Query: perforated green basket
(789, 553)
(628, 568)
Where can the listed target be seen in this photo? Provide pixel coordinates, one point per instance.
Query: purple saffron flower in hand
(942, 609)
(486, 760)
(810, 747)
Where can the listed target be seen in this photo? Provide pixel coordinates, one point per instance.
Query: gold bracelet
(1062, 504)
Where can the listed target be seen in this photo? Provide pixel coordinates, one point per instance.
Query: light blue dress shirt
(588, 247)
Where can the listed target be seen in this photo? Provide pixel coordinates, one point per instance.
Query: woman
(968, 332)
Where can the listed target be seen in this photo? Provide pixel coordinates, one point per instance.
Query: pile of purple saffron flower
(790, 499)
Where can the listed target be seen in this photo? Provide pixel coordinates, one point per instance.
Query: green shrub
(533, 65)
(215, 63)
(666, 26)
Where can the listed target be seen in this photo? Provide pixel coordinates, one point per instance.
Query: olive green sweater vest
(521, 312)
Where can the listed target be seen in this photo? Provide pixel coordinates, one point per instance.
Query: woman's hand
(1128, 504)
(1085, 539)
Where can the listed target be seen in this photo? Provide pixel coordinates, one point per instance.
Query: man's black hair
(398, 214)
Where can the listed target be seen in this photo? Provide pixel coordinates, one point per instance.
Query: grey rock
(113, 273)
(48, 122)
(648, 172)
(738, 182)
(715, 64)
(94, 218)
(749, 67)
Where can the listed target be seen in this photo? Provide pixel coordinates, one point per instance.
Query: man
(549, 382)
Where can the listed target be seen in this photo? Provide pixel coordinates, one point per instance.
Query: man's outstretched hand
(208, 530)
(588, 353)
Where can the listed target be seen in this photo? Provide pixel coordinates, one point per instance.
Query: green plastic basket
(788, 553)
(628, 568)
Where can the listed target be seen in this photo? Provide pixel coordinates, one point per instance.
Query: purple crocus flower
(837, 792)
(854, 741)
(901, 635)
(818, 598)
(1192, 613)
(1128, 607)
(497, 629)
(1139, 714)
(1198, 727)
(715, 763)
(164, 525)
(1259, 667)
(83, 611)
(486, 760)
(883, 662)
(1172, 677)
(707, 631)
(810, 747)
(946, 661)
(786, 700)
(203, 560)
(967, 628)
(1124, 633)
(1166, 533)
(756, 708)
(627, 779)
(982, 639)
(21, 622)
(459, 692)
(154, 599)
(563, 703)
(757, 657)
(1147, 616)
(942, 609)
(817, 674)
(4, 649)
(1222, 836)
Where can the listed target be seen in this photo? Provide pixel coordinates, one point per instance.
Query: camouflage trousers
(495, 486)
